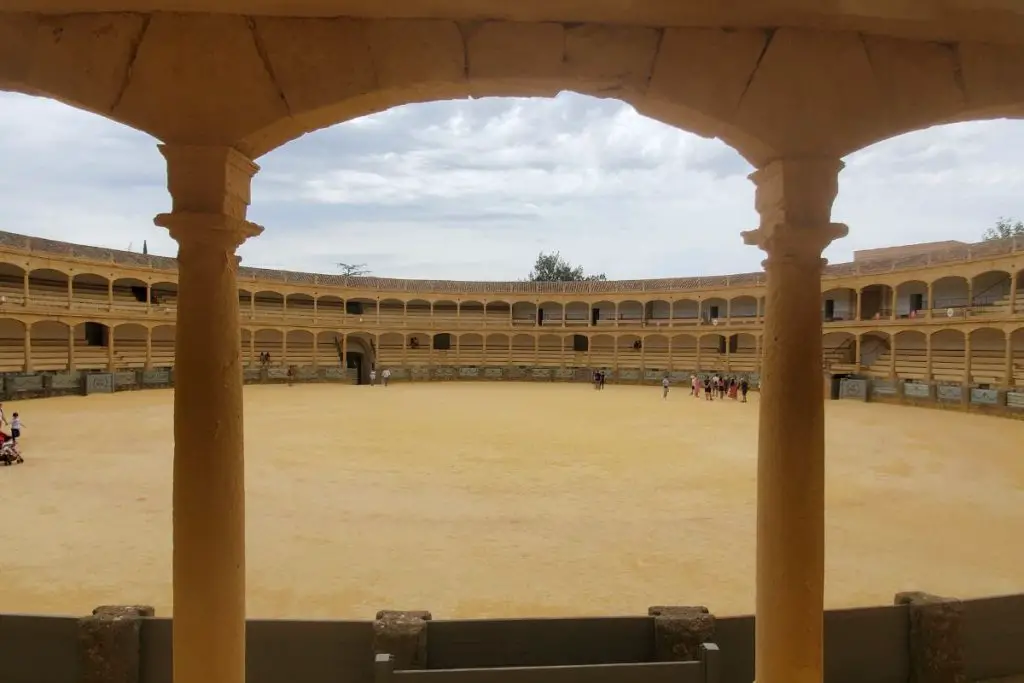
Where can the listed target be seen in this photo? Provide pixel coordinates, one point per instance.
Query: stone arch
(392, 312)
(269, 340)
(876, 301)
(249, 357)
(843, 304)
(299, 306)
(390, 349)
(49, 340)
(330, 307)
(602, 350)
(912, 298)
(550, 348)
(523, 347)
(658, 312)
(577, 314)
(629, 347)
(550, 313)
(712, 351)
(269, 304)
(911, 354)
(497, 312)
(417, 346)
(12, 283)
(471, 313)
(839, 351)
(990, 293)
(631, 312)
(162, 340)
(656, 354)
(684, 350)
(328, 345)
(92, 337)
(603, 313)
(713, 308)
(988, 355)
(497, 348)
(130, 345)
(361, 356)
(743, 309)
(417, 309)
(743, 352)
(49, 286)
(299, 347)
(12, 345)
(471, 347)
(950, 293)
(129, 292)
(1017, 366)
(948, 353)
(524, 313)
(685, 312)
(164, 296)
(875, 346)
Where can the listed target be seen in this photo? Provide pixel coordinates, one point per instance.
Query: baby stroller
(9, 454)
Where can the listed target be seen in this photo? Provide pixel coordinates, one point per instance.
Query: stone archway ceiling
(769, 77)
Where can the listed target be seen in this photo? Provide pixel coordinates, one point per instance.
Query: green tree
(353, 269)
(1005, 228)
(553, 268)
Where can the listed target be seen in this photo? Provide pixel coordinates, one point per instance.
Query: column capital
(794, 198)
(210, 194)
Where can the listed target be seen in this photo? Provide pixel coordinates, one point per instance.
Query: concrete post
(680, 631)
(109, 646)
(402, 635)
(935, 638)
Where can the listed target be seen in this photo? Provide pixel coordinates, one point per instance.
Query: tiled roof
(126, 258)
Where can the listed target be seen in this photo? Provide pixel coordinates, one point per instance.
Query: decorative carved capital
(794, 199)
(207, 229)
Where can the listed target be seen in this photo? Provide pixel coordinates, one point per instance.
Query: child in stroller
(9, 454)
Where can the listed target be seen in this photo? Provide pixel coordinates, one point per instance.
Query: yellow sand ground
(477, 500)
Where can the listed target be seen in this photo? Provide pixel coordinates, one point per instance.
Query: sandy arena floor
(503, 499)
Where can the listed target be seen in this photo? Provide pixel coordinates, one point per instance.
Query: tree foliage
(1005, 228)
(353, 269)
(553, 268)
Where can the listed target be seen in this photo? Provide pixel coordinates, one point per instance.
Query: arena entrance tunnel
(360, 356)
(792, 90)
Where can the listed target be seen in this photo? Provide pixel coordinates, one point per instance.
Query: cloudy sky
(475, 189)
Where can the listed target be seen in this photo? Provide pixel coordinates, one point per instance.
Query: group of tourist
(731, 387)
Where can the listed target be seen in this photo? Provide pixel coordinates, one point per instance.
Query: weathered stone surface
(109, 643)
(679, 632)
(936, 643)
(402, 635)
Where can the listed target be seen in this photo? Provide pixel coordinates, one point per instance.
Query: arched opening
(524, 314)
(655, 347)
(417, 312)
(471, 314)
(391, 350)
(684, 351)
(876, 302)
(950, 294)
(89, 291)
(299, 347)
(330, 308)
(911, 299)
(361, 356)
(12, 345)
(91, 345)
(990, 293)
(948, 347)
(712, 352)
(162, 346)
(497, 313)
(163, 297)
(268, 305)
(299, 307)
(602, 351)
(839, 352)
(658, 313)
(417, 348)
(550, 313)
(685, 312)
(743, 310)
(743, 352)
(328, 345)
(130, 293)
(498, 349)
(713, 309)
(130, 346)
(549, 349)
(49, 287)
(245, 304)
(392, 313)
(269, 345)
(630, 348)
(362, 310)
(602, 314)
(911, 355)
(49, 340)
(12, 285)
(875, 350)
(446, 314)
(631, 313)
(577, 314)
(249, 358)
(523, 349)
(988, 357)
(471, 347)
(838, 304)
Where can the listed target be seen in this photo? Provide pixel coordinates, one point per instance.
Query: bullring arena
(644, 524)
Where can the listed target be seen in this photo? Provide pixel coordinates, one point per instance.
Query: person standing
(385, 375)
(373, 377)
(664, 387)
(744, 388)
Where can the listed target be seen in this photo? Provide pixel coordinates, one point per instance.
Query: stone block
(856, 389)
(158, 377)
(989, 397)
(402, 635)
(469, 372)
(109, 645)
(935, 638)
(680, 631)
(493, 373)
(17, 384)
(949, 392)
(99, 383)
(124, 379)
(65, 381)
(919, 390)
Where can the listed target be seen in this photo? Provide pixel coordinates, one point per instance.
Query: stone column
(316, 351)
(110, 294)
(209, 187)
(25, 289)
(149, 348)
(931, 301)
(71, 347)
(967, 360)
(1008, 369)
(794, 199)
(928, 356)
(28, 347)
(860, 293)
(110, 348)
(892, 356)
(892, 313)
(856, 353)
(1013, 293)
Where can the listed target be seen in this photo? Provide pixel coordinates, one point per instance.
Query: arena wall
(973, 640)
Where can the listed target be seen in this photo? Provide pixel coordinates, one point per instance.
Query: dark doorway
(96, 334)
(442, 342)
(916, 302)
(540, 316)
(355, 362)
(354, 307)
(580, 343)
(835, 385)
(830, 309)
(595, 315)
(713, 312)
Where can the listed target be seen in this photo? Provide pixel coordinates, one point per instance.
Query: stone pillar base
(402, 635)
(935, 640)
(109, 647)
(680, 631)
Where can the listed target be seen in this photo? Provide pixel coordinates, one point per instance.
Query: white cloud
(475, 188)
